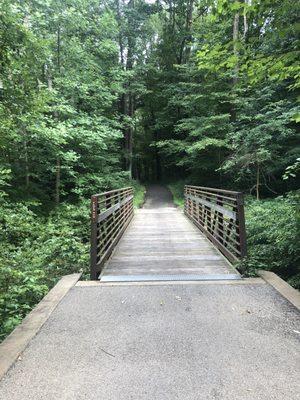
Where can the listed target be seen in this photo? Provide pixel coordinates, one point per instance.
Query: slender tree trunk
(257, 180)
(188, 26)
(157, 162)
(58, 160)
(130, 135)
(123, 103)
(129, 100)
(48, 77)
(58, 49)
(120, 36)
(235, 37)
(27, 179)
(245, 21)
(235, 47)
(57, 181)
(157, 158)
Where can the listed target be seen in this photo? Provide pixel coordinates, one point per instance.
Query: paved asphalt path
(158, 196)
(163, 342)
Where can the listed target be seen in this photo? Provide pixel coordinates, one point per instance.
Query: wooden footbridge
(159, 242)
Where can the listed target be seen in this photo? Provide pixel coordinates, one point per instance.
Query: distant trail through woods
(158, 196)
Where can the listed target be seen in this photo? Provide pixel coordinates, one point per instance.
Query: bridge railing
(219, 214)
(111, 212)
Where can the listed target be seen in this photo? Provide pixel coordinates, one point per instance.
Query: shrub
(273, 236)
(35, 252)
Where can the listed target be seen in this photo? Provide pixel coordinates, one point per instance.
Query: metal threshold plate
(147, 278)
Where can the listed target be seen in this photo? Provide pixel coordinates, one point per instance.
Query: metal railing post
(94, 222)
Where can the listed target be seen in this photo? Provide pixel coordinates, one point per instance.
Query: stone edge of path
(245, 281)
(286, 290)
(17, 341)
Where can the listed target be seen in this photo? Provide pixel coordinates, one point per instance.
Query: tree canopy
(94, 91)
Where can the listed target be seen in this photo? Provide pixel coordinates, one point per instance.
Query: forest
(101, 94)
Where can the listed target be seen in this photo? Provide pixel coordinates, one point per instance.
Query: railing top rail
(112, 191)
(209, 189)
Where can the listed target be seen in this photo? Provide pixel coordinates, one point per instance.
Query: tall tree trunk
(120, 35)
(245, 21)
(157, 158)
(123, 102)
(27, 179)
(130, 134)
(257, 180)
(188, 27)
(58, 49)
(129, 100)
(58, 160)
(235, 38)
(157, 161)
(48, 77)
(57, 181)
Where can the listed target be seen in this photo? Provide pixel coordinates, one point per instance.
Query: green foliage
(63, 133)
(20, 290)
(292, 170)
(177, 189)
(273, 234)
(222, 110)
(139, 195)
(35, 252)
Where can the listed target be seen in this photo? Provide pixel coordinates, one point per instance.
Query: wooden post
(94, 232)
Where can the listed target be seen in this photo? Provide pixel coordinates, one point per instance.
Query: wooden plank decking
(162, 244)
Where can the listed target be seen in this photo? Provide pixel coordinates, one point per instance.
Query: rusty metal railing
(111, 212)
(219, 214)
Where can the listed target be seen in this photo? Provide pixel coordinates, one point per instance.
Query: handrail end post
(242, 225)
(93, 252)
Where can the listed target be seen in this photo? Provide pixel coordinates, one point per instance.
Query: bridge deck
(160, 244)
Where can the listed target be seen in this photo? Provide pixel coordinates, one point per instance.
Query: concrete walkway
(163, 342)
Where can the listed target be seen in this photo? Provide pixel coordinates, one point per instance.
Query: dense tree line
(220, 105)
(97, 94)
(92, 89)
